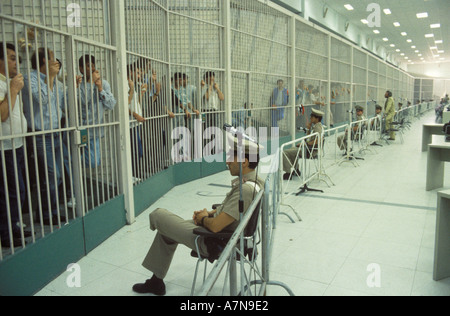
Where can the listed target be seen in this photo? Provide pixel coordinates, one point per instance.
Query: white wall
(435, 70)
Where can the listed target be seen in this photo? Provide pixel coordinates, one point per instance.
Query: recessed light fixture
(396, 24)
(429, 35)
(397, 50)
(420, 55)
(406, 57)
(387, 11)
(364, 21)
(416, 51)
(402, 54)
(413, 47)
(422, 15)
(409, 40)
(439, 42)
(441, 51)
(392, 45)
(376, 31)
(404, 33)
(385, 39)
(435, 26)
(433, 47)
(348, 7)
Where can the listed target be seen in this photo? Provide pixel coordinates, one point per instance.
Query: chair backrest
(253, 222)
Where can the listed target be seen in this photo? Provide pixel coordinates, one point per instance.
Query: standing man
(44, 110)
(13, 122)
(279, 99)
(389, 113)
(95, 98)
(212, 96)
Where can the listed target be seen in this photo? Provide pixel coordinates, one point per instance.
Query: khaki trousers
(172, 230)
(289, 157)
(389, 126)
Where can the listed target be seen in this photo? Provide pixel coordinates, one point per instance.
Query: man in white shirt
(13, 123)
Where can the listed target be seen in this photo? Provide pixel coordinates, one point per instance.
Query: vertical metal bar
(73, 121)
(292, 59)
(227, 35)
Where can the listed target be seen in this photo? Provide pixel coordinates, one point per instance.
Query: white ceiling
(404, 12)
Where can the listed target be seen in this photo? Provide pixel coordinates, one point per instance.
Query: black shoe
(153, 286)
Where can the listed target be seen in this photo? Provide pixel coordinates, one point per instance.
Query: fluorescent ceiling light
(429, 35)
(348, 7)
(439, 42)
(404, 33)
(422, 15)
(433, 47)
(392, 45)
(435, 26)
(364, 21)
(397, 50)
(441, 51)
(387, 11)
(409, 40)
(413, 47)
(402, 54)
(396, 24)
(416, 51)
(385, 39)
(420, 55)
(376, 31)
(406, 57)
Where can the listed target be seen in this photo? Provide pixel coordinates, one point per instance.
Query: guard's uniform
(389, 110)
(342, 140)
(172, 230)
(290, 155)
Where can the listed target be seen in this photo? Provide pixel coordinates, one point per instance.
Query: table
(438, 154)
(442, 245)
(446, 117)
(427, 133)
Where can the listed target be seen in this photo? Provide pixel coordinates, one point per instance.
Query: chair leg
(194, 282)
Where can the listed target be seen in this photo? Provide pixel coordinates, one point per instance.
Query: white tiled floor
(378, 213)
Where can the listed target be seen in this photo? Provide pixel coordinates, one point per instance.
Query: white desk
(428, 131)
(446, 117)
(442, 246)
(438, 154)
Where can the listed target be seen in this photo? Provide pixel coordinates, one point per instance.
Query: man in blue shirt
(95, 98)
(279, 100)
(44, 104)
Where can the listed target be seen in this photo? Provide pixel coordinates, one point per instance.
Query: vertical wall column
(226, 15)
(118, 39)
